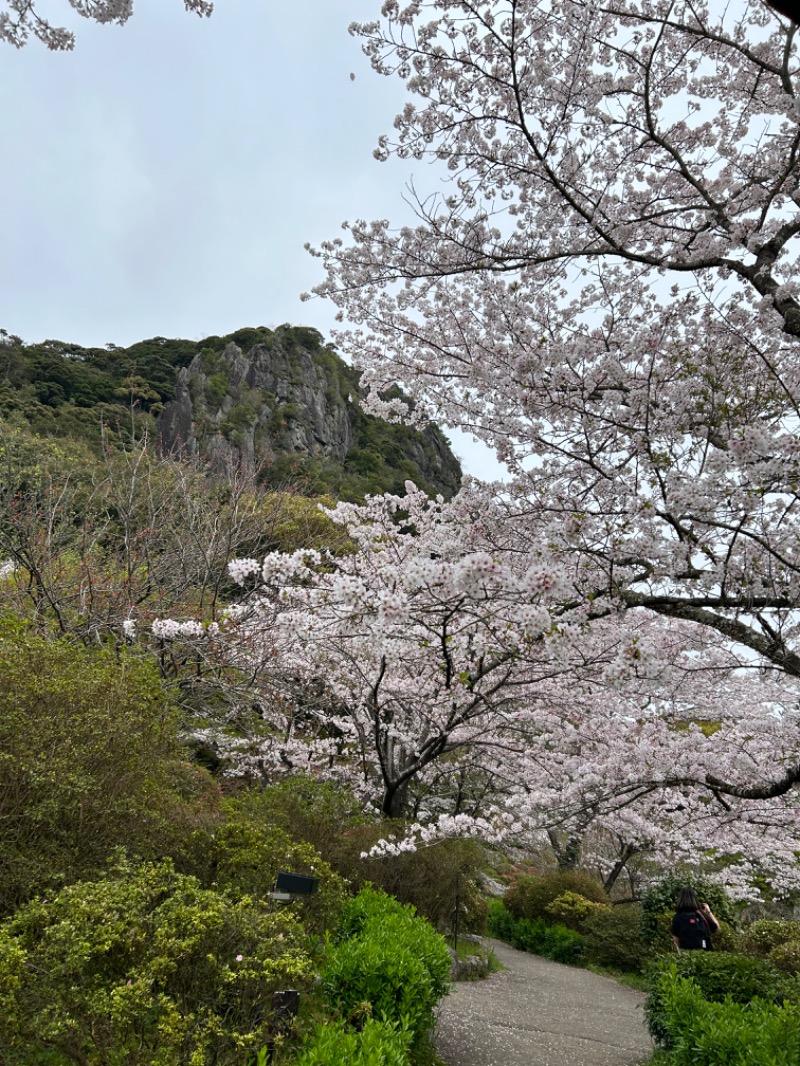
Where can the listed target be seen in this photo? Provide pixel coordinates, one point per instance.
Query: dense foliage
(551, 940)
(377, 1043)
(717, 977)
(613, 938)
(89, 762)
(388, 964)
(112, 396)
(701, 1032)
(146, 967)
(533, 895)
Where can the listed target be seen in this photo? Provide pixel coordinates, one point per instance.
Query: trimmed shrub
(572, 910)
(538, 937)
(378, 1044)
(717, 977)
(700, 1033)
(531, 894)
(612, 936)
(390, 965)
(368, 906)
(146, 968)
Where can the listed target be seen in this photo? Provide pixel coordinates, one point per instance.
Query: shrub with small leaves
(573, 911)
(537, 936)
(244, 856)
(786, 956)
(531, 894)
(146, 968)
(761, 937)
(613, 938)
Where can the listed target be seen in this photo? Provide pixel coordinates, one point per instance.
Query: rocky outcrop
(280, 400)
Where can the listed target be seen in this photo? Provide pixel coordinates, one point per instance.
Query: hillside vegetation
(280, 402)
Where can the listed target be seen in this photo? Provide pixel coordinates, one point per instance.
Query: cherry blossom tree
(22, 18)
(605, 291)
(476, 694)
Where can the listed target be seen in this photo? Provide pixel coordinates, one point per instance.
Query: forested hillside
(278, 402)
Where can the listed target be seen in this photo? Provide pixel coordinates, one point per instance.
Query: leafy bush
(612, 936)
(537, 936)
(572, 910)
(433, 880)
(89, 762)
(378, 1043)
(717, 977)
(786, 956)
(660, 900)
(369, 906)
(145, 968)
(392, 965)
(700, 1033)
(244, 857)
(762, 936)
(531, 894)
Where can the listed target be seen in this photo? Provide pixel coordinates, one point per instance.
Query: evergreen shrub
(145, 968)
(532, 894)
(786, 956)
(536, 936)
(378, 1043)
(613, 938)
(389, 964)
(703, 1033)
(761, 937)
(243, 857)
(716, 976)
(573, 910)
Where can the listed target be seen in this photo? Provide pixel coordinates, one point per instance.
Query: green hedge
(378, 1044)
(717, 978)
(613, 938)
(700, 1033)
(389, 964)
(537, 936)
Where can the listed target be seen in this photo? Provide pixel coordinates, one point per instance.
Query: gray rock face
(288, 396)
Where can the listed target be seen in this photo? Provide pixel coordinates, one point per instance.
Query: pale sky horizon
(163, 178)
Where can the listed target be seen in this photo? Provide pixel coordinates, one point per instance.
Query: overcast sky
(162, 179)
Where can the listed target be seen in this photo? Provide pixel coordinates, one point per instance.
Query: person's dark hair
(687, 900)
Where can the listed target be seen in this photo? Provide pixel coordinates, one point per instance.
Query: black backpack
(695, 934)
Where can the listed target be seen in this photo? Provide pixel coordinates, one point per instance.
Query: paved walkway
(540, 1013)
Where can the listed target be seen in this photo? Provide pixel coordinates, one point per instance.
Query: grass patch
(622, 977)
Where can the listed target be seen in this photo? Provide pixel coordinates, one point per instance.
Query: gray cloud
(163, 177)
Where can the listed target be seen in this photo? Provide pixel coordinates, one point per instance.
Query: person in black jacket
(693, 923)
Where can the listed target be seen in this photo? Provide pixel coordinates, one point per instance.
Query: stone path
(540, 1013)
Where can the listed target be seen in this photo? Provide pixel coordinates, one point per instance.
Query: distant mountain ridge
(280, 402)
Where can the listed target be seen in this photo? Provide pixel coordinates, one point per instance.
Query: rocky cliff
(283, 402)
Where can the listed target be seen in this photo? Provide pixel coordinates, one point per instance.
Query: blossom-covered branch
(21, 19)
